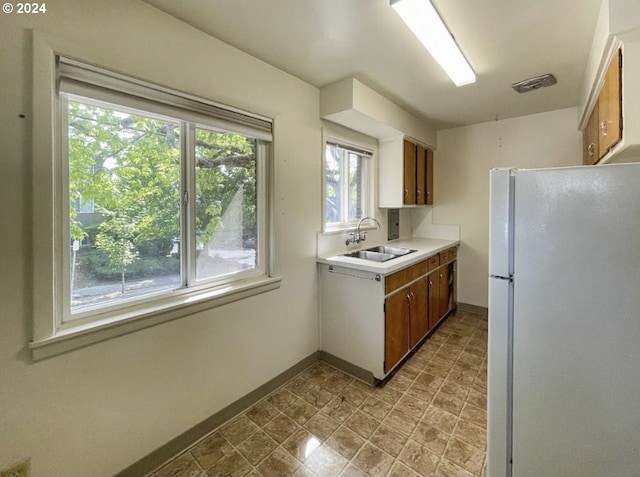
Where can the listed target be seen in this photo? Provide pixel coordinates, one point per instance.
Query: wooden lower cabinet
(406, 321)
(396, 328)
(433, 281)
(418, 316)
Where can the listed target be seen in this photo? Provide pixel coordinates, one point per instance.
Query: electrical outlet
(21, 469)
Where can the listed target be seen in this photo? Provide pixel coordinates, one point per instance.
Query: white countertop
(425, 249)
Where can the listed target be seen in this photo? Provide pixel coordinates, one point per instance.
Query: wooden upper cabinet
(429, 179)
(409, 172)
(610, 107)
(590, 150)
(405, 173)
(421, 175)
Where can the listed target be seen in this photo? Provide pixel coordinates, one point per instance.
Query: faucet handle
(363, 236)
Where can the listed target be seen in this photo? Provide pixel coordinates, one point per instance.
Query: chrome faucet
(358, 236)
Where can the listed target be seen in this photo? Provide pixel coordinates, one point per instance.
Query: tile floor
(428, 419)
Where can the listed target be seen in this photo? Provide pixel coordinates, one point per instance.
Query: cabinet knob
(603, 127)
(591, 148)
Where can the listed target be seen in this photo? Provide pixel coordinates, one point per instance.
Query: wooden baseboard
(185, 440)
(478, 310)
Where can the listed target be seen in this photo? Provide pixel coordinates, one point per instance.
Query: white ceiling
(324, 41)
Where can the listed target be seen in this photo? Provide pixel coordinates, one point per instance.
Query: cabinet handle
(412, 296)
(430, 283)
(419, 193)
(406, 193)
(441, 276)
(603, 128)
(591, 148)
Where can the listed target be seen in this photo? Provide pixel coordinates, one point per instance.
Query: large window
(159, 201)
(346, 184)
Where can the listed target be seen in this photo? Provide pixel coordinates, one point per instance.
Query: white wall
(96, 410)
(461, 180)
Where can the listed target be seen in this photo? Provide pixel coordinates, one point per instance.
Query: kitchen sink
(379, 254)
(397, 251)
(370, 255)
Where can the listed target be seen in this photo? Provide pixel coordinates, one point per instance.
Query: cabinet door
(590, 151)
(396, 327)
(434, 308)
(419, 318)
(610, 107)
(421, 175)
(409, 172)
(443, 291)
(429, 180)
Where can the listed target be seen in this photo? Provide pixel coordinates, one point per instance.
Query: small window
(346, 185)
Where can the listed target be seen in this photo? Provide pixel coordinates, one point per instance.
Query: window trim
(50, 335)
(369, 179)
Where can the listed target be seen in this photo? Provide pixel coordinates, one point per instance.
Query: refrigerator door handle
(498, 277)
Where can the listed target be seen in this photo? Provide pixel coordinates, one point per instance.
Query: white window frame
(52, 333)
(368, 180)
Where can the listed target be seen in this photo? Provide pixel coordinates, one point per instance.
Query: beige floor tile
(454, 390)
(318, 397)
(475, 415)
(326, 462)
(399, 382)
(336, 382)
(231, 465)
(300, 411)
(440, 419)
(388, 394)
(281, 399)
(301, 444)
(354, 394)
(419, 458)
(412, 405)
(471, 434)
(281, 428)
(374, 461)
(362, 424)
(211, 449)
(448, 403)
(400, 470)
(278, 464)
(465, 455)
(401, 422)
(376, 408)
(339, 409)
(239, 429)
(185, 465)
(346, 442)
(257, 447)
(389, 440)
(446, 468)
(262, 413)
(322, 425)
(352, 471)
(430, 437)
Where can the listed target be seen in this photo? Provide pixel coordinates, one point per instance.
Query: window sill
(86, 334)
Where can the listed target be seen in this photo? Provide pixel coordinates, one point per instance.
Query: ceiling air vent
(534, 83)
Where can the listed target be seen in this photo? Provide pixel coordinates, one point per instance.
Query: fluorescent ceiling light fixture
(424, 21)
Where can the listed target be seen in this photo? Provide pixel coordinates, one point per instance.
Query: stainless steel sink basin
(370, 255)
(397, 251)
(381, 253)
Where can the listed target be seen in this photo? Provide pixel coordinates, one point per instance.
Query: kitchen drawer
(433, 262)
(404, 276)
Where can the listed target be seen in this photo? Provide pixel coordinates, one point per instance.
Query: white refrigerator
(564, 322)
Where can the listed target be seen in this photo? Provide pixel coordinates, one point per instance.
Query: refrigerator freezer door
(500, 215)
(498, 374)
(576, 328)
